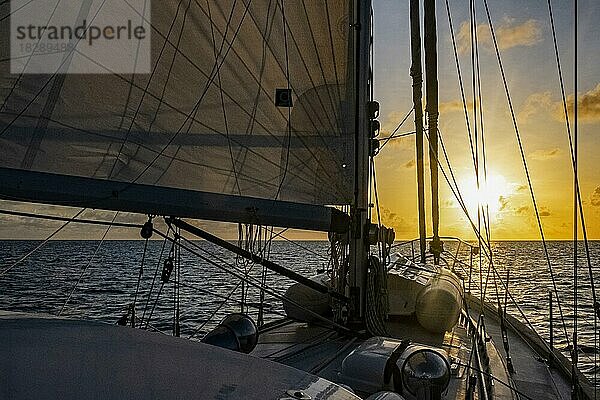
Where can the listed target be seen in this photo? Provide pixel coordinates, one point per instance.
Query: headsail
(206, 118)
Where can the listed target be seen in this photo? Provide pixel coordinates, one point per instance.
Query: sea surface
(101, 281)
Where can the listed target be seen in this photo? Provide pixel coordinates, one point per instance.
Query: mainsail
(206, 118)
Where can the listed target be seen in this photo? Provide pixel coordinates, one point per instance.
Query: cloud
(588, 109)
(522, 188)
(463, 37)
(595, 197)
(454, 105)
(509, 34)
(534, 103)
(409, 164)
(545, 154)
(390, 123)
(522, 210)
(392, 120)
(448, 203)
(588, 106)
(412, 163)
(544, 212)
(503, 203)
(396, 221)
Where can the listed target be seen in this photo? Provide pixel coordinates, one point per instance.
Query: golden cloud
(533, 103)
(545, 154)
(522, 188)
(522, 210)
(396, 221)
(509, 34)
(504, 203)
(454, 105)
(595, 197)
(588, 109)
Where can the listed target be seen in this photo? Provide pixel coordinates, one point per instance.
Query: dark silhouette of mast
(432, 115)
(417, 78)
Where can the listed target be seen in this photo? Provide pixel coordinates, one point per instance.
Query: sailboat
(258, 113)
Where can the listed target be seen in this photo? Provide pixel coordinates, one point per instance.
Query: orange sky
(525, 41)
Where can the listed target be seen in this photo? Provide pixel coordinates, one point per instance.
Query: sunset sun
(491, 194)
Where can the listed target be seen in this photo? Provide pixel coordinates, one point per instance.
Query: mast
(359, 246)
(432, 114)
(417, 77)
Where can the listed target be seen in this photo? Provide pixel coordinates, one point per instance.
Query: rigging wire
(223, 109)
(464, 267)
(146, 89)
(224, 301)
(474, 53)
(393, 134)
(137, 288)
(484, 166)
(466, 112)
(489, 375)
(482, 209)
(52, 76)
(220, 296)
(216, 67)
(216, 310)
(396, 136)
(458, 196)
(313, 252)
(252, 120)
(39, 246)
(162, 284)
(232, 270)
(377, 208)
(158, 264)
(69, 219)
(576, 177)
(14, 86)
(525, 167)
(84, 269)
(337, 127)
(574, 355)
(460, 80)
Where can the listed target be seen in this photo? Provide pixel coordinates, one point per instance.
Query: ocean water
(81, 279)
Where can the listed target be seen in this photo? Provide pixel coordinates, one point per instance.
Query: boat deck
(532, 375)
(321, 350)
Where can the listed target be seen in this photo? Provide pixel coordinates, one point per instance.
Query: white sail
(205, 117)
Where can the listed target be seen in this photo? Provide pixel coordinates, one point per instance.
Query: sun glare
(491, 194)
